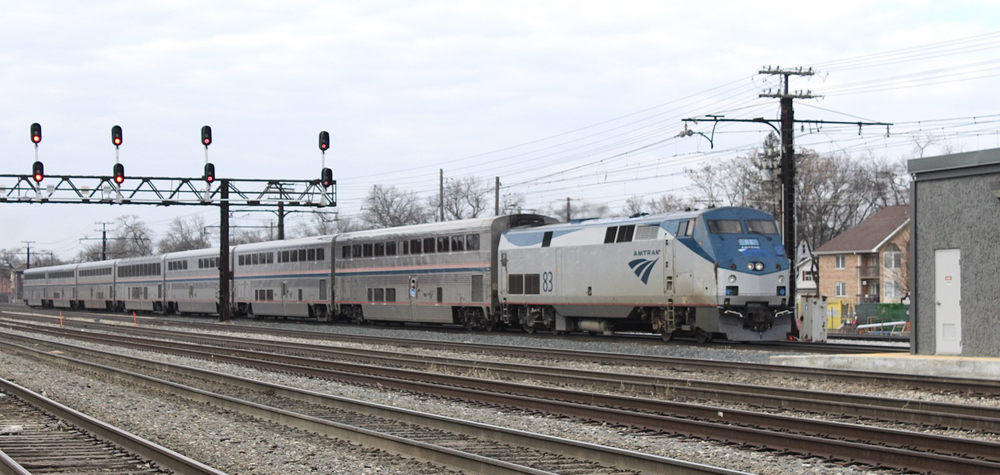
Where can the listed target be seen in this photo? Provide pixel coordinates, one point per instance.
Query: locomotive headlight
(749, 265)
(781, 279)
(732, 279)
(759, 266)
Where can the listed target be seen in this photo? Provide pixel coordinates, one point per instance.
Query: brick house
(868, 263)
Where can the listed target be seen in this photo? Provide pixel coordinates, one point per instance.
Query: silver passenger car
(139, 284)
(192, 281)
(432, 273)
(283, 278)
(95, 283)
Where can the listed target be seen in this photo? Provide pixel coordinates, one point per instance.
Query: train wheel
(702, 337)
(529, 329)
(667, 336)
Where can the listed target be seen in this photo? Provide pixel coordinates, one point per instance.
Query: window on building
(841, 289)
(841, 261)
(892, 291)
(892, 257)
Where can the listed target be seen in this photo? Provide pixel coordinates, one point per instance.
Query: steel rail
(143, 448)
(960, 385)
(929, 413)
(830, 439)
(618, 458)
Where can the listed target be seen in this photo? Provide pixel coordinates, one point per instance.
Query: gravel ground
(237, 444)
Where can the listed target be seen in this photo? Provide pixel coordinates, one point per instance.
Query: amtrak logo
(642, 268)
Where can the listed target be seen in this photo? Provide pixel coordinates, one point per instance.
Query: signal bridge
(167, 191)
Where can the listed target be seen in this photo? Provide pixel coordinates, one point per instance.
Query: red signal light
(209, 175)
(36, 133)
(119, 173)
(206, 136)
(116, 135)
(38, 172)
(326, 177)
(324, 140)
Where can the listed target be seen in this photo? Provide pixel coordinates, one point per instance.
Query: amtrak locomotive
(715, 273)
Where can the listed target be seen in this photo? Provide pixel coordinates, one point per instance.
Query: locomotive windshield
(724, 226)
(761, 226)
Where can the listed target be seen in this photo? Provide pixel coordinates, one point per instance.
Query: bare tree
(665, 203)
(319, 224)
(468, 197)
(10, 258)
(387, 206)
(131, 238)
(834, 192)
(578, 209)
(185, 235)
(512, 203)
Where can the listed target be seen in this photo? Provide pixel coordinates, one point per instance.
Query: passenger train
(714, 273)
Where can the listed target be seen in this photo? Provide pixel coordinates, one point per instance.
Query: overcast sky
(560, 99)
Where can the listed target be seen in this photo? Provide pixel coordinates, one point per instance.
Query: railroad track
(39, 435)
(925, 413)
(953, 385)
(637, 338)
(479, 448)
(896, 448)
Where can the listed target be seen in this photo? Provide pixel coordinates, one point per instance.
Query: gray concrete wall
(959, 213)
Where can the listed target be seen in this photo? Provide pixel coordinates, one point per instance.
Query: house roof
(871, 233)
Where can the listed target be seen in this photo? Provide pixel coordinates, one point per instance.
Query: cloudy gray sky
(578, 99)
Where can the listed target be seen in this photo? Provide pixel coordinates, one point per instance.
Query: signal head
(119, 173)
(36, 133)
(116, 135)
(206, 136)
(38, 172)
(326, 177)
(324, 140)
(209, 175)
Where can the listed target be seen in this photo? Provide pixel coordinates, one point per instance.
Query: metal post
(496, 197)
(224, 268)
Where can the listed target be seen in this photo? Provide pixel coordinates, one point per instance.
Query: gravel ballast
(238, 444)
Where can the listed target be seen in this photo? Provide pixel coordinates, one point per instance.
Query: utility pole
(496, 197)
(567, 210)
(104, 240)
(29, 243)
(441, 195)
(788, 162)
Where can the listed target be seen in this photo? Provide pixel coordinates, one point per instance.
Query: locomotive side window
(379, 249)
(547, 239)
(532, 284)
(356, 250)
(390, 248)
(515, 283)
(724, 226)
(442, 244)
(414, 246)
(625, 233)
(345, 252)
(457, 243)
(366, 249)
(609, 235)
(428, 245)
(685, 228)
(761, 226)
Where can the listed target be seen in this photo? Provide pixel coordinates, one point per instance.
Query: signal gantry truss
(166, 191)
